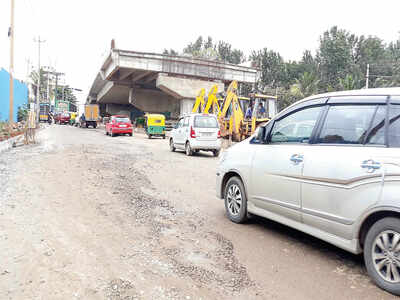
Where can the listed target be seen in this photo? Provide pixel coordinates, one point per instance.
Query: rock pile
(8, 131)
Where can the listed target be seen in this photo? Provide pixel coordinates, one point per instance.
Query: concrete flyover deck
(148, 82)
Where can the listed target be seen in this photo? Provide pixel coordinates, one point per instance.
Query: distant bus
(44, 112)
(62, 106)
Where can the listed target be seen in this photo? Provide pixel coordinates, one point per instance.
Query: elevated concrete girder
(150, 78)
(184, 88)
(140, 76)
(125, 73)
(105, 90)
(187, 66)
(117, 94)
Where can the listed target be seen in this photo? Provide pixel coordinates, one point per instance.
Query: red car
(119, 124)
(62, 118)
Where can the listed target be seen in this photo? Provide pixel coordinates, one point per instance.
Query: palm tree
(347, 83)
(305, 86)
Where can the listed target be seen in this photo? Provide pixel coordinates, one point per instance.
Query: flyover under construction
(133, 82)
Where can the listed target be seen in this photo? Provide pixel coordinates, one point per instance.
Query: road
(87, 216)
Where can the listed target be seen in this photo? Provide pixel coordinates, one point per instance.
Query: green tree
(221, 51)
(209, 43)
(347, 83)
(34, 76)
(170, 52)
(273, 69)
(66, 93)
(335, 56)
(195, 48)
(305, 86)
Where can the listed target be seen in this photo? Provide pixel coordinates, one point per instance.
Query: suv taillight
(219, 133)
(192, 133)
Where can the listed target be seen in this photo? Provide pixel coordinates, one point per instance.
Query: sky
(78, 33)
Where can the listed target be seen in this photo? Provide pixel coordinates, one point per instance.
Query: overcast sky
(78, 32)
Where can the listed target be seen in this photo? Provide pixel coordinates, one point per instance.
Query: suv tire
(374, 255)
(188, 150)
(235, 200)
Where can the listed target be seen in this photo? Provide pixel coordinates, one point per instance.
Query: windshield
(205, 122)
(65, 115)
(122, 120)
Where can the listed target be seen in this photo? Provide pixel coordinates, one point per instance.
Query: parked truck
(91, 113)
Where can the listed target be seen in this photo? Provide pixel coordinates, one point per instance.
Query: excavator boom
(199, 104)
(212, 101)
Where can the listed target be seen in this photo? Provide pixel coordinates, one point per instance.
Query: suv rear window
(205, 122)
(347, 124)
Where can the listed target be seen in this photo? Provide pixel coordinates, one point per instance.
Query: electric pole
(48, 88)
(11, 35)
(367, 77)
(57, 74)
(39, 41)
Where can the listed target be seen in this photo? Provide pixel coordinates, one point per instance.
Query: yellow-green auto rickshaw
(154, 125)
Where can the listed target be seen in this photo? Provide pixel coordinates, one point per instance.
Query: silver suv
(328, 165)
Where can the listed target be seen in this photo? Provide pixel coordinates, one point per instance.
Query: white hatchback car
(195, 132)
(328, 165)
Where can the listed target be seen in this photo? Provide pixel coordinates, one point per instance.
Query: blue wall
(20, 95)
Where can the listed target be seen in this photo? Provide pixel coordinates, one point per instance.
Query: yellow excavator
(233, 123)
(213, 102)
(230, 123)
(201, 106)
(199, 103)
(231, 117)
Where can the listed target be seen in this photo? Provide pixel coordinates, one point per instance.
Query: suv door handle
(297, 158)
(370, 165)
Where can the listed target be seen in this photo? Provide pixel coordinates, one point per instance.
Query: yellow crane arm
(212, 100)
(199, 101)
(230, 95)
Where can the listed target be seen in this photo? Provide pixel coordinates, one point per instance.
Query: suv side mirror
(261, 133)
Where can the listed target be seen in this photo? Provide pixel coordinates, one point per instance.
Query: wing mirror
(261, 133)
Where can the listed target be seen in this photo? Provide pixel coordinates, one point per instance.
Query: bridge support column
(186, 106)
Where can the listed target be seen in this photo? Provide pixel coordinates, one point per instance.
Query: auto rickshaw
(154, 125)
(72, 121)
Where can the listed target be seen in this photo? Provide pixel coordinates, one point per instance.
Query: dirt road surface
(87, 216)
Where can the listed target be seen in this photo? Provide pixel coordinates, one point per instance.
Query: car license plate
(206, 133)
(122, 125)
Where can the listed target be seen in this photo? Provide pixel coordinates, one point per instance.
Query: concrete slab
(185, 88)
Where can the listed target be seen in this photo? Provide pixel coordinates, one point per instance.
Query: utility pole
(11, 35)
(57, 74)
(39, 41)
(367, 77)
(48, 88)
(28, 68)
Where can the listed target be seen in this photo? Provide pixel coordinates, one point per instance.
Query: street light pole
(11, 34)
(39, 41)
